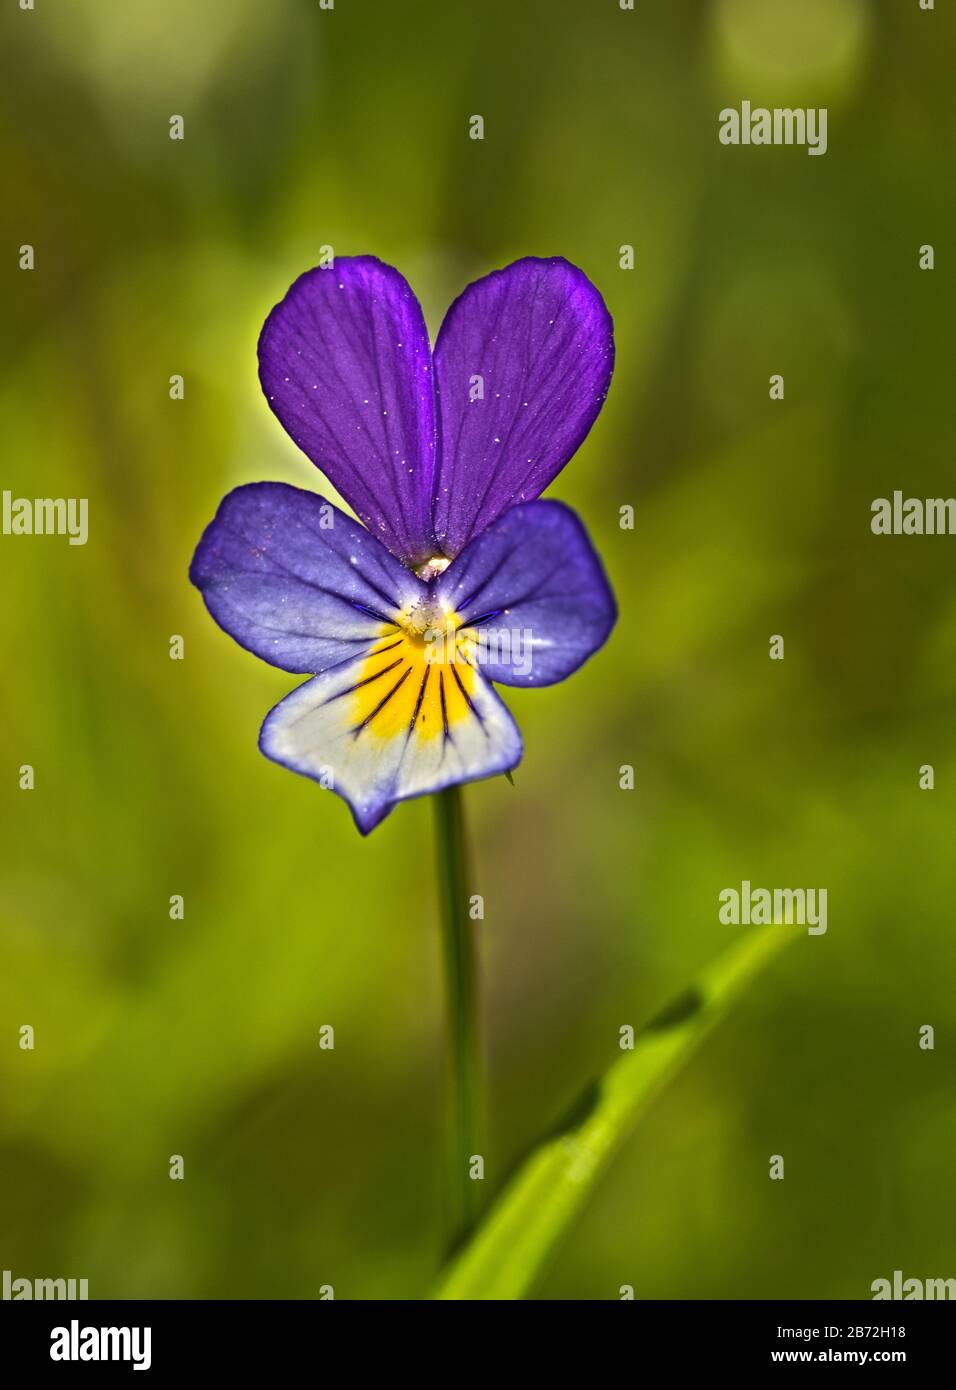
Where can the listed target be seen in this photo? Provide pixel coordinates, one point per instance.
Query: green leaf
(507, 1252)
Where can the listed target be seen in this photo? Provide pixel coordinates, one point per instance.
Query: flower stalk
(464, 1043)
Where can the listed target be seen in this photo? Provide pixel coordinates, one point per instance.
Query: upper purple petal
(534, 592)
(345, 364)
(536, 341)
(295, 580)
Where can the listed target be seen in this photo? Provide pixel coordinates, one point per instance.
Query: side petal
(531, 596)
(537, 341)
(392, 726)
(345, 364)
(295, 580)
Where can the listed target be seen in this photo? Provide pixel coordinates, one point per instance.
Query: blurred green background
(154, 1037)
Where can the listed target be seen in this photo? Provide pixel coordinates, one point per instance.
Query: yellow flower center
(419, 678)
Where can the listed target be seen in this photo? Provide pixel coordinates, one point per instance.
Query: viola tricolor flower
(457, 577)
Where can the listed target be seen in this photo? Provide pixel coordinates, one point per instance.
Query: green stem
(464, 1048)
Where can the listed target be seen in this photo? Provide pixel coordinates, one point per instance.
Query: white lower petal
(391, 726)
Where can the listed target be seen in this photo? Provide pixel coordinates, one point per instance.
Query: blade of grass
(521, 1230)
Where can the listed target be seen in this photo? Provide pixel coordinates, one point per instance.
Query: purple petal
(539, 338)
(344, 361)
(295, 580)
(534, 594)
